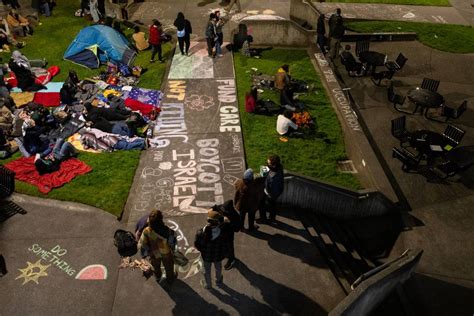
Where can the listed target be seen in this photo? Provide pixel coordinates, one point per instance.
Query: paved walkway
(407, 13)
(61, 258)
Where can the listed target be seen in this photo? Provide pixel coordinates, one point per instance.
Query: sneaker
(162, 60)
(152, 60)
(230, 264)
(220, 55)
(204, 285)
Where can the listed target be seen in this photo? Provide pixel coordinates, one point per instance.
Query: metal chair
(454, 113)
(397, 64)
(395, 98)
(362, 46)
(409, 161)
(399, 130)
(430, 84)
(453, 135)
(377, 77)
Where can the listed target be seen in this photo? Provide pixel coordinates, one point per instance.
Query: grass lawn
(445, 37)
(107, 186)
(311, 157)
(409, 2)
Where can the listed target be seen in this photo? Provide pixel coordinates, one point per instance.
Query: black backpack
(200, 239)
(125, 243)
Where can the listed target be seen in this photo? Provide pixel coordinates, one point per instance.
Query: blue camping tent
(98, 44)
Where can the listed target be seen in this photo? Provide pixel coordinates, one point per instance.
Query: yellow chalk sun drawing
(33, 272)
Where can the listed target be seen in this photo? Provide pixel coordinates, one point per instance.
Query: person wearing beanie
(274, 185)
(231, 225)
(246, 198)
(213, 243)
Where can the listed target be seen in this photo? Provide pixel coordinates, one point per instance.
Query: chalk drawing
(199, 102)
(166, 165)
(33, 272)
(158, 156)
(409, 15)
(54, 256)
(179, 234)
(235, 144)
(93, 272)
(150, 172)
(231, 165)
(230, 179)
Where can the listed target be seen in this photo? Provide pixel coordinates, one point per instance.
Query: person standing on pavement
(213, 243)
(220, 35)
(211, 35)
(274, 185)
(158, 241)
(183, 32)
(231, 4)
(321, 33)
(154, 38)
(336, 32)
(230, 226)
(246, 199)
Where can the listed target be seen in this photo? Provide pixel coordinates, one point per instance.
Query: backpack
(267, 107)
(125, 243)
(181, 33)
(200, 239)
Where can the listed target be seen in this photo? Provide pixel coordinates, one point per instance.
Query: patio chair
(453, 135)
(430, 84)
(397, 64)
(400, 132)
(454, 113)
(409, 161)
(362, 46)
(353, 67)
(396, 99)
(377, 77)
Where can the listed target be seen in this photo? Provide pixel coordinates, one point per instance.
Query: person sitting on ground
(248, 51)
(50, 160)
(285, 126)
(69, 89)
(348, 60)
(19, 24)
(21, 66)
(251, 100)
(282, 77)
(141, 43)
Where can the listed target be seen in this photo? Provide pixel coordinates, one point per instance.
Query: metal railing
(334, 201)
(7, 182)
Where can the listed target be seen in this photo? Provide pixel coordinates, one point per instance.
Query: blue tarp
(98, 44)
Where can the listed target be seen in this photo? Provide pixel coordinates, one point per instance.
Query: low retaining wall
(277, 33)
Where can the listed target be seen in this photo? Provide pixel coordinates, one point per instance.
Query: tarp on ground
(98, 44)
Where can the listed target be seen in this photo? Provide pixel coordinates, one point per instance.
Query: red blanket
(47, 98)
(25, 170)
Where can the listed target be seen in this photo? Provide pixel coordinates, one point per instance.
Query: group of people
(215, 240)
(336, 32)
(214, 34)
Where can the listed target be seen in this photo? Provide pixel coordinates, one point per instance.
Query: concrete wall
(277, 33)
(303, 10)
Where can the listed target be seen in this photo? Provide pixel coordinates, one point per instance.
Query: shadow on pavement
(188, 302)
(242, 303)
(283, 299)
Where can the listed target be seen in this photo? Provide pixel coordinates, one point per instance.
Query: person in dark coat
(231, 225)
(336, 32)
(321, 34)
(213, 243)
(274, 185)
(247, 198)
(184, 31)
(211, 35)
